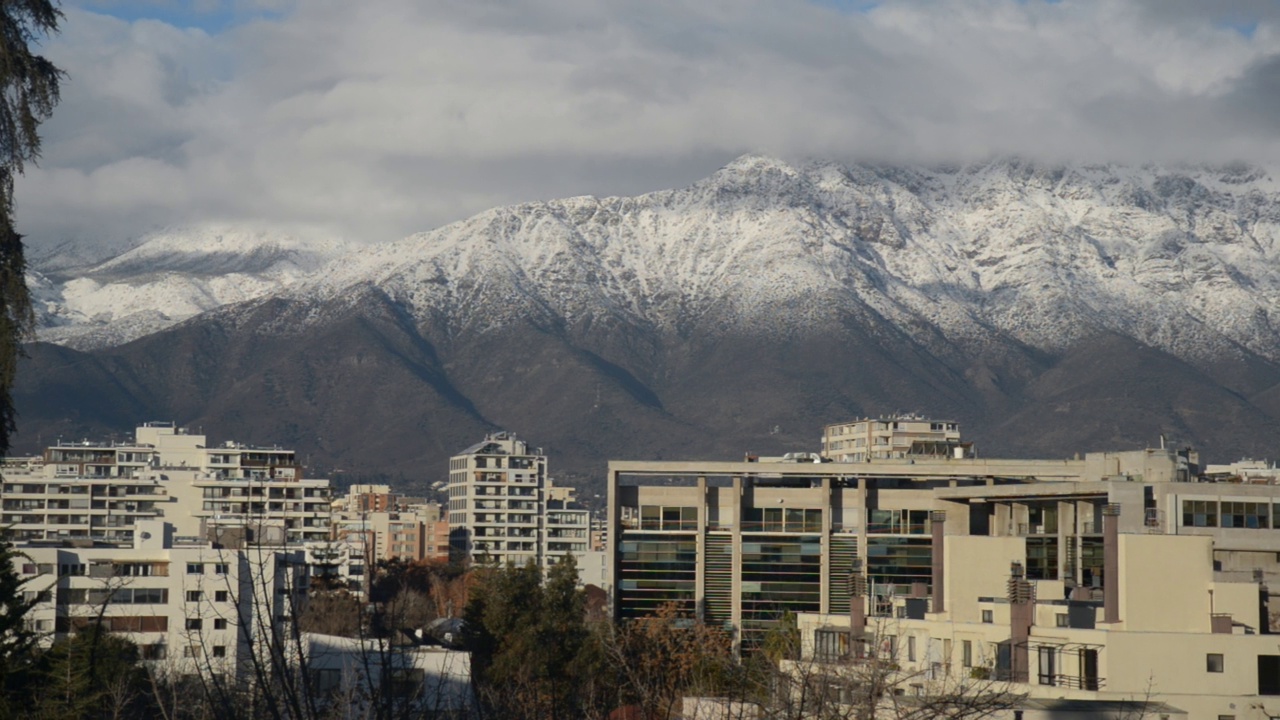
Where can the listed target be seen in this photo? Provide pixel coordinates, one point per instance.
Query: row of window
(1230, 514)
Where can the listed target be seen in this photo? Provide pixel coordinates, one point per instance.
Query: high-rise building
(496, 501)
(503, 507)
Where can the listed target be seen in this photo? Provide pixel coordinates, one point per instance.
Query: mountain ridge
(746, 310)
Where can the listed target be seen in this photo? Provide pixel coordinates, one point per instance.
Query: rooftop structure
(893, 438)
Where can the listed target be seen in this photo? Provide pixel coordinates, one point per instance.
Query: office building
(739, 543)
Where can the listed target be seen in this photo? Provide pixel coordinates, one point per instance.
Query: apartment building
(567, 530)
(1164, 633)
(893, 438)
(363, 498)
(418, 532)
(504, 508)
(101, 490)
(738, 543)
(192, 604)
(495, 500)
(398, 527)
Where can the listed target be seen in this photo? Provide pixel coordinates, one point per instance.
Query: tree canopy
(29, 89)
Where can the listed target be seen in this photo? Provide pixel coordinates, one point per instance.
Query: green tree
(17, 640)
(92, 674)
(28, 91)
(532, 652)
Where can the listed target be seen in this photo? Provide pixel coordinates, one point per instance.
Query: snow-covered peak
(167, 276)
(1183, 258)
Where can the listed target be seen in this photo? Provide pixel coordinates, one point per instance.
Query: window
(221, 569)
(1061, 620)
(194, 623)
(1269, 674)
(1250, 515)
(830, 645)
(220, 596)
(219, 651)
(326, 680)
(195, 568)
(966, 649)
(987, 616)
(1199, 513)
(1048, 662)
(1213, 662)
(188, 651)
(911, 648)
(1042, 558)
(152, 652)
(193, 596)
(219, 624)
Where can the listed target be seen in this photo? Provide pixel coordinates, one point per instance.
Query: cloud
(408, 114)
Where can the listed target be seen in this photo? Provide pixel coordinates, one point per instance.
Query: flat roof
(924, 468)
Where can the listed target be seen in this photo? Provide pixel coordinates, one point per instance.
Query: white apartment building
(101, 490)
(893, 438)
(503, 508)
(194, 606)
(496, 499)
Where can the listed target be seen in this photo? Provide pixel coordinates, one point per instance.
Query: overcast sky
(373, 119)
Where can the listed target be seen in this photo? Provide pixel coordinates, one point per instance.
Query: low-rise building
(1160, 627)
(191, 603)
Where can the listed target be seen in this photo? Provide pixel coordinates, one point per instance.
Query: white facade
(503, 508)
(893, 438)
(413, 680)
(495, 500)
(1178, 634)
(101, 491)
(193, 606)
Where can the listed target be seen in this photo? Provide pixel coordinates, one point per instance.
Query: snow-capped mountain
(163, 278)
(1184, 259)
(1048, 309)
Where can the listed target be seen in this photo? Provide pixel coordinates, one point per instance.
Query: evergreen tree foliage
(17, 641)
(28, 91)
(91, 674)
(532, 652)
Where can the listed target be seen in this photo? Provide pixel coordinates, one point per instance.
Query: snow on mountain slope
(1185, 259)
(165, 278)
(1182, 258)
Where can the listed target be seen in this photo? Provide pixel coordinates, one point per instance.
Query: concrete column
(700, 576)
(736, 585)
(824, 583)
(1111, 563)
(857, 607)
(613, 531)
(1022, 615)
(938, 527)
